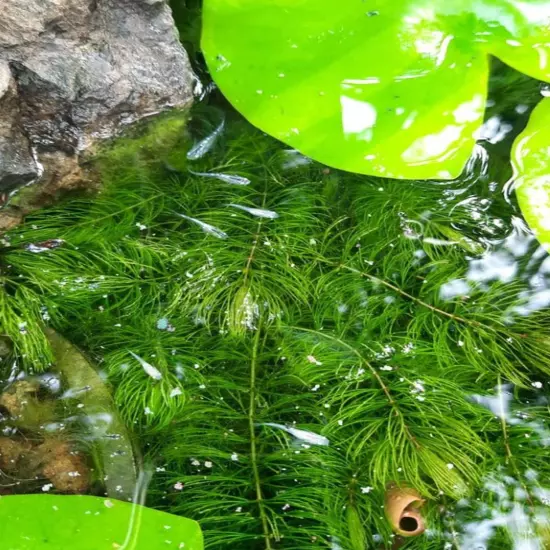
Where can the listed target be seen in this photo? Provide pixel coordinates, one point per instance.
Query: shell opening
(408, 524)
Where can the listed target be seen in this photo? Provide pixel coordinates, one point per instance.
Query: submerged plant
(288, 340)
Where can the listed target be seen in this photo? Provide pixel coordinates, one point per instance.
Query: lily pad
(83, 383)
(41, 522)
(531, 161)
(392, 88)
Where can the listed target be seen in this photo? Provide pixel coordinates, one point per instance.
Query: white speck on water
(407, 348)
(163, 324)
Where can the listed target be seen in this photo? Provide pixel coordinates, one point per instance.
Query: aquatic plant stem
(418, 301)
(375, 374)
(250, 258)
(253, 449)
(111, 214)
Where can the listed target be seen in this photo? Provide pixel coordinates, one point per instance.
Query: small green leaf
(392, 88)
(531, 161)
(37, 522)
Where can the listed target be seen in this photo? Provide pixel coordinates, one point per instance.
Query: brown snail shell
(402, 506)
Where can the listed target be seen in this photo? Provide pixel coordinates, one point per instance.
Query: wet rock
(12, 452)
(73, 72)
(65, 468)
(17, 165)
(24, 406)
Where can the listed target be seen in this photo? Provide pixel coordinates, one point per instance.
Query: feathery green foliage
(307, 300)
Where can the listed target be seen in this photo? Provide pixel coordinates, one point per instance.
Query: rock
(12, 451)
(17, 165)
(73, 72)
(65, 468)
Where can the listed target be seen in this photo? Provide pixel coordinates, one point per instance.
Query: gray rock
(73, 72)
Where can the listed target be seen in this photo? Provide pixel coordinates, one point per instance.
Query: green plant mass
(387, 88)
(287, 340)
(51, 522)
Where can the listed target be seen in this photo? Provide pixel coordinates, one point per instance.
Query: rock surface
(73, 72)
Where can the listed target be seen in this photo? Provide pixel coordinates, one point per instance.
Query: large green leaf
(118, 465)
(43, 522)
(390, 88)
(531, 161)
